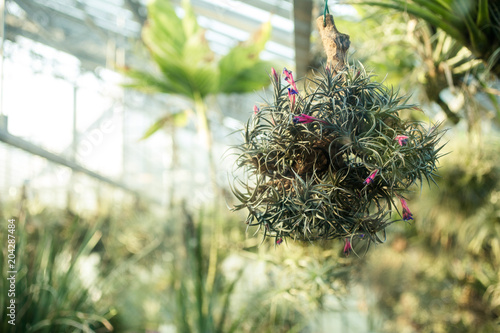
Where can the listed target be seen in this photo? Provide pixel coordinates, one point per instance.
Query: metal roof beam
(36, 150)
(273, 7)
(237, 20)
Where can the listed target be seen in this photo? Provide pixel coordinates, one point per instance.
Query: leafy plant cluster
(473, 24)
(428, 61)
(50, 294)
(330, 163)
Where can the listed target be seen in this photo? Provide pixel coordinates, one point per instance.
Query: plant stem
(205, 132)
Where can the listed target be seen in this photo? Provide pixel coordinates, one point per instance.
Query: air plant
(330, 162)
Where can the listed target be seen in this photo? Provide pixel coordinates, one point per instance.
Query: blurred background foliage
(441, 273)
(127, 267)
(439, 71)
(126, 270)
(189, 68)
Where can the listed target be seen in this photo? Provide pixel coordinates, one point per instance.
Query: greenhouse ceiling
(99, 32)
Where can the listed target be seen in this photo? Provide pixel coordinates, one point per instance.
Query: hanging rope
(325, 11)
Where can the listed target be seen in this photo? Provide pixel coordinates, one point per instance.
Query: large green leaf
(145, 81)
(188, 66)
(473, 23)
(180, 49)
(163, 32)
(249, 79)
(421, 12)
(241, 70)
(189, 22)
(178, 119)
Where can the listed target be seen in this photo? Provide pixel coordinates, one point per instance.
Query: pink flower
(305, 119)
(274, 74)
(407, 215)
(255, 109)
(291, 96)
(289, 78)
(287, 73)
(347, 247)
(402, 139)
(293, 90)
(279, 241)
(371, 177)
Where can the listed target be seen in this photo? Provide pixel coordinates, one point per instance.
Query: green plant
(78, 274)
(473, 24)
(189, 68)
(425, 60)
(50, 294)
(202, 294)
(330, 163)
(447, 265)
(257, 292)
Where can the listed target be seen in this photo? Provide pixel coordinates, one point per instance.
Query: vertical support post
(3, 115)
(302, 18)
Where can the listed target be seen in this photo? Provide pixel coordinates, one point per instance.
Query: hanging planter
(336, 160)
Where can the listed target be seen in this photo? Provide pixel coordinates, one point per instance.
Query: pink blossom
(407, 215)
(371, 177)
(402, 139)
(347, 247)
(274, 74)
(279, 241)
(287, 73)
(255, 109)
(291, 96)
(289, 79)
(305, 119)
(293, 90)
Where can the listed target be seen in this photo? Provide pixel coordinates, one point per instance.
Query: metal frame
(38, 151)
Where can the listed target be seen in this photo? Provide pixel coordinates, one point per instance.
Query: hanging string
(326, 11)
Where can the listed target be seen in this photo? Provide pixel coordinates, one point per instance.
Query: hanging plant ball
(334, 161)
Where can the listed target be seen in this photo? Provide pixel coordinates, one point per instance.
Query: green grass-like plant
(329, 163)
(50, 295)
(472, 23)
